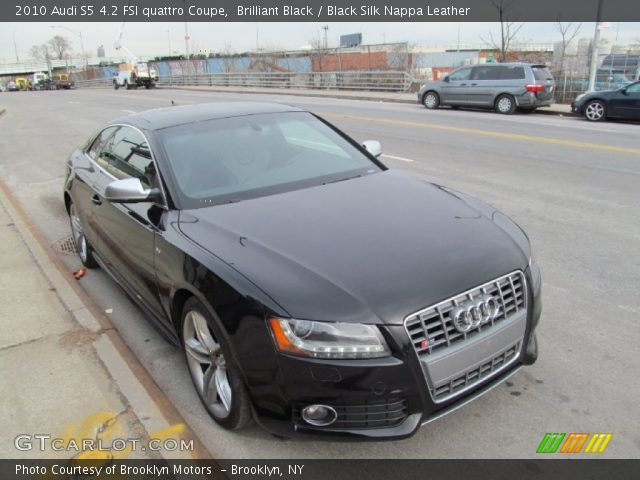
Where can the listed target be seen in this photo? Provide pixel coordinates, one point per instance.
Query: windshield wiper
(342, 179)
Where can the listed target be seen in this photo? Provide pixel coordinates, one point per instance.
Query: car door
(626, 103)
(482, 84)
(127, 237)
(87, 178)
(456, 90)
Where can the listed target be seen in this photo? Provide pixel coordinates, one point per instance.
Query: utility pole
(186, 31)
(594, 50)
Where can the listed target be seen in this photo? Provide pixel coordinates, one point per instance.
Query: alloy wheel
(207, 364)
(78, 234)
(594, 111)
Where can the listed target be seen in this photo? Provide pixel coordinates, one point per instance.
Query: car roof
(174, 115)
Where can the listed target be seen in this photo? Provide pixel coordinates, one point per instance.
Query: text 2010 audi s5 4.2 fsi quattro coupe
(311, 288)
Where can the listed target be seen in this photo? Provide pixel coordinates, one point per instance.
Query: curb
(130, 376)
(542, 110)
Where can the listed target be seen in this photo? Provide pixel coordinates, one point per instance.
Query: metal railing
(388, 81)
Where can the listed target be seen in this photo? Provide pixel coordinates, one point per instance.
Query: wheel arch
(506, 92)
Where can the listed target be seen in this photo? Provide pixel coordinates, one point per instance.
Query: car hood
(372, 249)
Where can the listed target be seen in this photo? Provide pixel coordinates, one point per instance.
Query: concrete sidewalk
(65, 372)
(393, 97)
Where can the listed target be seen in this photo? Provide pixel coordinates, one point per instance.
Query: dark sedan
(311, 288)
(621, 103)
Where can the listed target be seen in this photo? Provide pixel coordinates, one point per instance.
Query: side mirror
(623, 90)
(447, 79)
(374, 147)
(130, 190)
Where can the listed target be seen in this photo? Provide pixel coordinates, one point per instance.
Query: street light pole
(15, 47)
(594, 50)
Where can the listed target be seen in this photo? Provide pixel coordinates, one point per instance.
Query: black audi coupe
(311, 288)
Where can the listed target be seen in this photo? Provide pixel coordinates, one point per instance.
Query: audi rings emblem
(473, 313)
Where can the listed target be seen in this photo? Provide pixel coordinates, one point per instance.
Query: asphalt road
(572, 185)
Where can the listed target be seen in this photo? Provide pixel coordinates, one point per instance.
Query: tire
(215, 375)
(505, 104)
(595, 111)
(115, 85)
(83, 247)
(431, 100)
(127, 85)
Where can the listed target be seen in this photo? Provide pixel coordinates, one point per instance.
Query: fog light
(319, 415)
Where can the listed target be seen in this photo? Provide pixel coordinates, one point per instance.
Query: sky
(150, 39)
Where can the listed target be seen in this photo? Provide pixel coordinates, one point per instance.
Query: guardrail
(389, 81)
(96, 83)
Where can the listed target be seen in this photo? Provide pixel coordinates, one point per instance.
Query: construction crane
(134, 72)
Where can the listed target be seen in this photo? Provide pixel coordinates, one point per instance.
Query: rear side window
(508, 72)
(541, 73)
(485, 73)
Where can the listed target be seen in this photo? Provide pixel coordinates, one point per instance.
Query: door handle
(96, 199)
(474, 84)
(463, 84)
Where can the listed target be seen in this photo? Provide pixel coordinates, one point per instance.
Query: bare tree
(59, 46)
(41, 53)
(508, 30)
(318, 51)
(568, 32)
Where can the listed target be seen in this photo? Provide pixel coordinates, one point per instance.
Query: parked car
(504, 87)
(310, 287)
(620, 103)
(12, 87)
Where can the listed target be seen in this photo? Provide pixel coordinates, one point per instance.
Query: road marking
(129, 111)
(395, 157)
(489, 133)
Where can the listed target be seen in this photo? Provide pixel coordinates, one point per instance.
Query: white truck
(133, 73)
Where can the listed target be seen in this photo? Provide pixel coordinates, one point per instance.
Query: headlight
(328, 340)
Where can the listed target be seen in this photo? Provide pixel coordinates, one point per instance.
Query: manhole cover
(65, 245)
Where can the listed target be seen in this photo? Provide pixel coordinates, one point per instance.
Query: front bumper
(375, 399)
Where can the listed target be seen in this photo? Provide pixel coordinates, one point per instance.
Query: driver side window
(635, 88)
(126, 154)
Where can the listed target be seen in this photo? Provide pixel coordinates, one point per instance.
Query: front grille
(475, 375)
(432, 330)
(375, 413)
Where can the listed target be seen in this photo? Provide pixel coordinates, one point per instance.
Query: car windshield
(232, 159)
(542, 73)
